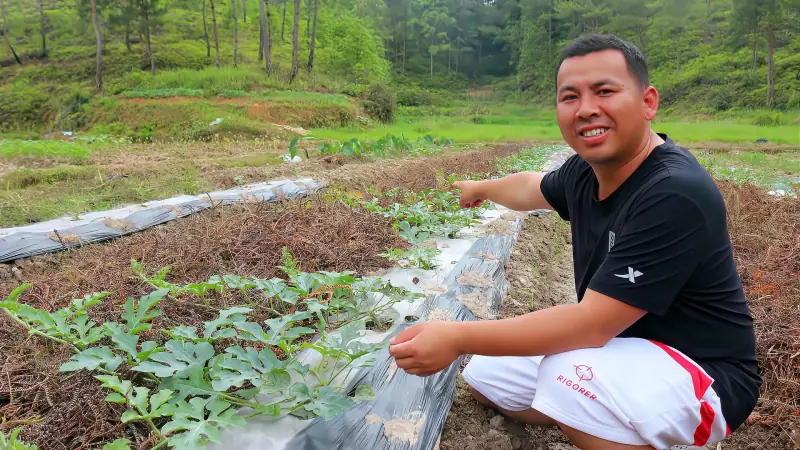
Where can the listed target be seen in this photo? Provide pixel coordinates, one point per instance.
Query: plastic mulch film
(58, 234)
(408, 412)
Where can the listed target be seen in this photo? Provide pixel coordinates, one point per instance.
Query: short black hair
(590, 43)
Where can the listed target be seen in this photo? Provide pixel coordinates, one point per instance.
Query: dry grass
(766, 236)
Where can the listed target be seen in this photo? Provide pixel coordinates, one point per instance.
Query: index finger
(400, 351)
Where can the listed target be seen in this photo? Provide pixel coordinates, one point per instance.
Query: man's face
(603, 111)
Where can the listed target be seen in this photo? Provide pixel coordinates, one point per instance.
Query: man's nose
(588, 108)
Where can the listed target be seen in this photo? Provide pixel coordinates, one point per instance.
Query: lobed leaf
(91, 359)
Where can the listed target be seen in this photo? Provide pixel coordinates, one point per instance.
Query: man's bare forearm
(540, 333)
(520, 191)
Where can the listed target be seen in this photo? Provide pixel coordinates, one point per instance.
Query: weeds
(62, 150)
(387, 146)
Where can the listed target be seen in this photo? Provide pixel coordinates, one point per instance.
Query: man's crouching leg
(628, 394)
(512, 382)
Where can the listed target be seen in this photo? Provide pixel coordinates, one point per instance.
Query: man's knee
(480, 397)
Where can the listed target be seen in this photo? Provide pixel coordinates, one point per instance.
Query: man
(660, 350)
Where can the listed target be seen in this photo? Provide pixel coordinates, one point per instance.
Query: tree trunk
(98, 75)
(6, 42)
(205, 32)
(313, 38)
(295, 40)
(128, 33)
(262, 21)
(235, 32)
(771, 66)
(755, 49)
(268, 39)
(41, 27)
(148, 48)
(244, 11)
(308, 21)
(283, 23)
(214, 26)
(405, 39)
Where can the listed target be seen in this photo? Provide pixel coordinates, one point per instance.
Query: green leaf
(301, 392)
(124, 341)
(226, 317)
(262, 368)
(184, 332)
(197, 429)
(177, 358)
(88, 332)
(119, 444)
(14, 295)
(278, 326)
(116, 398)
(148, 348)
(316, 307)
(363, 393)
(137, 314)
(237, 282)
(114, 383)
(91, 359)
(251, 331)
(192, 384)
(327, 403)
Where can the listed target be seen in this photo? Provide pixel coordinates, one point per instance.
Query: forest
(706, 56)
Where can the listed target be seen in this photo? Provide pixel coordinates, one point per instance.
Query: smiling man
(659, 351)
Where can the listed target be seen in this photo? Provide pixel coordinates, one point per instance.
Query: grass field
(519, 123)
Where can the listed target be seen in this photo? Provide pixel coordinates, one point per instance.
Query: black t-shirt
(660, 242)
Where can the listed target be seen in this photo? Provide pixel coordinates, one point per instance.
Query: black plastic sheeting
(409, 397)
(24, 244)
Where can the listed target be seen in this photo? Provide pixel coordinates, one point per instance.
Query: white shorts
(631, 391)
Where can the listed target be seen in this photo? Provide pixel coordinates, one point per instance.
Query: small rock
(524, 281)
(17, 273)
(516, 443)
(496, 422)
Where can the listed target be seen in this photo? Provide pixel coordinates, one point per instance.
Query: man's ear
(650, 98)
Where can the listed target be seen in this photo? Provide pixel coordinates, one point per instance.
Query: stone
(496, 422)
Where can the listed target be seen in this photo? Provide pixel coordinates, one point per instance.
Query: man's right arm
(519, 192)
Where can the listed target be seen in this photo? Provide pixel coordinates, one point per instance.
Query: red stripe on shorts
(701, 382)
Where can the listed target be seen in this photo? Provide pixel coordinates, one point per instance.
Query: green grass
(73, 197)
(774, 171)
(23, 178)
(259, 160)
(61, 150)
(523, 123)
(161, 93)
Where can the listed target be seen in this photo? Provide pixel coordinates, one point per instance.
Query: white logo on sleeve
(611, 237)
(631, 275)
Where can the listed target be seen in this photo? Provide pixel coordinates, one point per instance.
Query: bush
(768, 119)
(419, 97)
(379, 103)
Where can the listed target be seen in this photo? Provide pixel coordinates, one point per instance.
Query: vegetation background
(71, 64)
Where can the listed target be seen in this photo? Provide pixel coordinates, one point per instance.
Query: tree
(244, 11)
(266, 35)
(235, 32)
(214, 27)
(313, 38)
(42, 27)
(145, 8)
(98, 76)
(6, 42)
(283, 23)
(205, 31)
(295, 40)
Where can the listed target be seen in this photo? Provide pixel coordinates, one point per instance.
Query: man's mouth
(593, 132)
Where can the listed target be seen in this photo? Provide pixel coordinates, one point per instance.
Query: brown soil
(68, 411)
(540, 273)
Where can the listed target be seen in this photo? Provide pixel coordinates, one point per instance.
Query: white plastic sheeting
(58, 234)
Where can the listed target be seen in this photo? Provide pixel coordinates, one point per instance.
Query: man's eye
(605, 91)
(568, 97)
